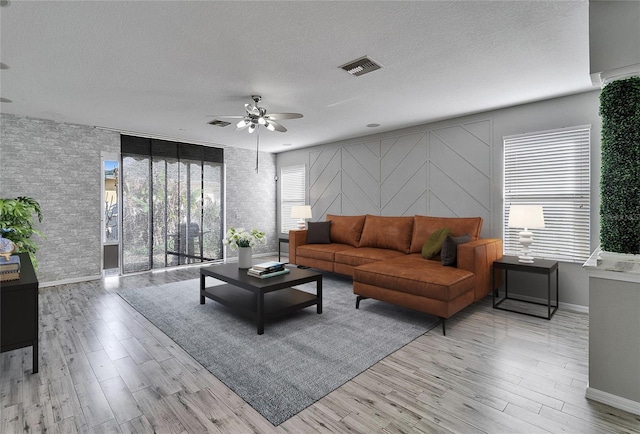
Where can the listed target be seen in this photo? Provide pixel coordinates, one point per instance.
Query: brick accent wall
(59, 164)
(251, 196)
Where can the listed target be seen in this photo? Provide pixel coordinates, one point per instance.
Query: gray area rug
(299, 359)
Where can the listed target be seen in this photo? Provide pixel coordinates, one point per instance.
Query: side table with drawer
(19, 311)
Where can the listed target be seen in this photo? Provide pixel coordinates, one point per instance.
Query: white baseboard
(67, 281)
(565, 306)
(90, 278)
(574, 307)
(613, 400)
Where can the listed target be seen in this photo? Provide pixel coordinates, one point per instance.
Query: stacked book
(9, 269)
(267, 269)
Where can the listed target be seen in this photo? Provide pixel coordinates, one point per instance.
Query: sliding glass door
(172, 204)
(110, 216)
(136, 220)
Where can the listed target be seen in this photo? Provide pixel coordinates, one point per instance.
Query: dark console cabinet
(19, 311)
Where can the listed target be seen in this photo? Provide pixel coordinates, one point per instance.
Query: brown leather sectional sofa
(383, 255)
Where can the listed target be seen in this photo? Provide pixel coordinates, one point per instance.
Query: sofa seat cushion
(323, 252)
(365, 255)
(415, 275)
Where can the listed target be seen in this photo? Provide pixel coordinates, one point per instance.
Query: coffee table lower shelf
(247, 303)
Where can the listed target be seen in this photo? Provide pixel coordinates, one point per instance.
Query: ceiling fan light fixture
(257, 116)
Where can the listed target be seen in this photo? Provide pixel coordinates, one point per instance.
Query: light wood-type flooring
(105, 369)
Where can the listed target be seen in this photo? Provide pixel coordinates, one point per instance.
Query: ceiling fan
(256, 116)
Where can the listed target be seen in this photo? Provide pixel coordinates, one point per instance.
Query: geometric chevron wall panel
(467, 145)
(403, 169)
(325, 183)
(440, 172)
(460, 171)
(361, 178)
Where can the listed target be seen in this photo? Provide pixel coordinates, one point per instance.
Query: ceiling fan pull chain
(257, 146)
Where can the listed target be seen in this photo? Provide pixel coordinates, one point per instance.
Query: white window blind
(292, 192)
(552, 169)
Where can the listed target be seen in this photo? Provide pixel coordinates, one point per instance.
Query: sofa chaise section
(415, 283)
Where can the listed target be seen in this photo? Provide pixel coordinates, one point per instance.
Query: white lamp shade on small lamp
(301, 212)
(526, 217)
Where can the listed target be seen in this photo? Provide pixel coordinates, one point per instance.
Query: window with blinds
(551, 169)
(292, 192)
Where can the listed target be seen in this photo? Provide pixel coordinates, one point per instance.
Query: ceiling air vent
(219, 123)
(361, 66)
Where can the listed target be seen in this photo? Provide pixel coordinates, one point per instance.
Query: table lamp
(526, 217)
(301, 212)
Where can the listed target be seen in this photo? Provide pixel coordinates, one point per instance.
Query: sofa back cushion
(346, 229)
(387, 233)
(424, 226)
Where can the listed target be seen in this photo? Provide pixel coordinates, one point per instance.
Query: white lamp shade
(301, 211)
(526, 216)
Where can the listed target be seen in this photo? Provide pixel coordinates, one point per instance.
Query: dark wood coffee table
(260, 299)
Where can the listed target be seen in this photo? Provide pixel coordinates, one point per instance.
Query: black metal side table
(539, 266)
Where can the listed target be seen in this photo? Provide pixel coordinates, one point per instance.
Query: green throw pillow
(433, 245)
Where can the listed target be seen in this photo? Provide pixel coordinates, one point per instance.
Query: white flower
(242, 238)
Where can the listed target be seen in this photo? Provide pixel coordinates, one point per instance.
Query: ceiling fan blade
(278, 116)
(252, 110)
(276, 126)
(228, 117)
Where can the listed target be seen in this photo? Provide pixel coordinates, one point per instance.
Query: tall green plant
(620, 172)
(16, 223)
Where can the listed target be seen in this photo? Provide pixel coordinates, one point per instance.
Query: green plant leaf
(16, 224)
(620, 167)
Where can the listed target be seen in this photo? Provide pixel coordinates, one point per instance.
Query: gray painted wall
(59, 165)
(452, 167)
(614, 343)
(614, 32)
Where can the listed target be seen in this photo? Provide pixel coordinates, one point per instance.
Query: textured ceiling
(166, 68)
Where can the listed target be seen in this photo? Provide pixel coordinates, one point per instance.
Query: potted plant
(16, 224)
(242, 240)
